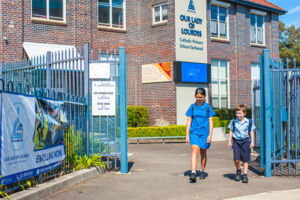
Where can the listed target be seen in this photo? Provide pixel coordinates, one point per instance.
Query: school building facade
(172, 46)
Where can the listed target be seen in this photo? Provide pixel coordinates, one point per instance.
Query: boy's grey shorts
(241, 150)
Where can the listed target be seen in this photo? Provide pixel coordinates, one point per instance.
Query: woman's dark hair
(200, 91)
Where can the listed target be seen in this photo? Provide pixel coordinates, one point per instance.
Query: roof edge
(256, 5)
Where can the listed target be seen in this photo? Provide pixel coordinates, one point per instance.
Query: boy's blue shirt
(241, 129)
(200, 116)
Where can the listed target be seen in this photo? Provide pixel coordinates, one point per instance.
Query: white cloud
(294, 10)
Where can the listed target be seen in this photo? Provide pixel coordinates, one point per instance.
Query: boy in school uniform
(241, 140)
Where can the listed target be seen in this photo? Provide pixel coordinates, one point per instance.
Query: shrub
(229, 114)
(161, 131)
(137, 116)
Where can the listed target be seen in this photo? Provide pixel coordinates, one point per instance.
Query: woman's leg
(203, 158)
(195, 153)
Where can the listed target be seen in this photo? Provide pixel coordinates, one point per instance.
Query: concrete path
(158, 172)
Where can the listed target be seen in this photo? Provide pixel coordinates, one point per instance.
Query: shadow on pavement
(229, 176)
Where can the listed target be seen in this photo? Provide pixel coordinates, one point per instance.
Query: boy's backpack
(249, 127)
(207, 110)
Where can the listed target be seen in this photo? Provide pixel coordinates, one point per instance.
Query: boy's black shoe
(202, 175)
(245, 178)
(193, 177)
(238, 175)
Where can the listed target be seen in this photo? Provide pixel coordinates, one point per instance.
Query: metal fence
(279, 120)
(65, 76)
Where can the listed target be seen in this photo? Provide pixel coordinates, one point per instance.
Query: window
(111, 13)
(219, 84)
(49, 9)
(218, 22)
(160, 13)
(257, 29)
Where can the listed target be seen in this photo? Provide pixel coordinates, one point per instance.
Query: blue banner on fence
(32, 139)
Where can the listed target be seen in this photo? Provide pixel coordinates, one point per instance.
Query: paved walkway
(158, 172)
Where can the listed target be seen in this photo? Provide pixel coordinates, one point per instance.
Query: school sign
(31, 136)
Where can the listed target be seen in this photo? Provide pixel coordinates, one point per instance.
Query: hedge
(229, 114)
(160, 131)
(137, 116)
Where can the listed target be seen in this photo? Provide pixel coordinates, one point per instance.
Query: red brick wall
(144, 44)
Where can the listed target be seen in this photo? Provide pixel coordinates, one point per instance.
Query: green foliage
(289, 43)
(161, 131)
(137, 116)
(229, 114)
(93, 161)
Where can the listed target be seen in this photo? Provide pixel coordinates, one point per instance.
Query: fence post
(268, 112)
(123, 109)
(86, 93)
(48, 70)
(262, 113)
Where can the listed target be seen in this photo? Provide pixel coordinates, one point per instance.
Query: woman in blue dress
(199, 128)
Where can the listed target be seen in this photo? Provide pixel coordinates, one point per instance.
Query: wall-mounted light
(5, 39)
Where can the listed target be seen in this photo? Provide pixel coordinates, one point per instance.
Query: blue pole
(86, 92)
(262, 125)
(268, 112)
(123, 109)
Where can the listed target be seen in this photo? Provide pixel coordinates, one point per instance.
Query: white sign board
(99, 70)
(103, 98)
(191, 31)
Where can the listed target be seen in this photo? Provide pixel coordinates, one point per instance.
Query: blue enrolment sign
(186, 72)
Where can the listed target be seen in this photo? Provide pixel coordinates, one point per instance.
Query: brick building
(222, 37)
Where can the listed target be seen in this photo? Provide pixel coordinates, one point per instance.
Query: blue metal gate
(65, 76)
(278, 124)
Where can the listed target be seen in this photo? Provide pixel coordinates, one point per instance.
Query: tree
(289, 43)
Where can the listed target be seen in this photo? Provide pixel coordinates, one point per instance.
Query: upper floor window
(49, 9)
(219, 22)
(160, 13)
(257, 32)
(111, 13)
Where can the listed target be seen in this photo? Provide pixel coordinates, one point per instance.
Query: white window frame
(262, 14)
(48, 13)
(110, 16)
(160, 13)
(219, 4)
(219, 84)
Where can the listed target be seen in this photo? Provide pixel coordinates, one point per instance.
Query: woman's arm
(211, 128)
(187, 131)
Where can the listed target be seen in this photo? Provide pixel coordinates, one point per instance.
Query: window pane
(214, 27)
(157, 14)
(224, 102)
(117, 3)
(223, 70)
(222, 14)
(215, 102)
(259, 21)
(214, 72)
(103, 13)
(253, 34)
(252, 20)
(165, 12)
(39, 8)
(214, 89)
(255, 72)
(260, 37)
(214, 12)
(56, 9)
(223, 89)
(223, 31)
(117, 17)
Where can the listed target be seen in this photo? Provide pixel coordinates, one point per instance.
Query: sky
(293, 8)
